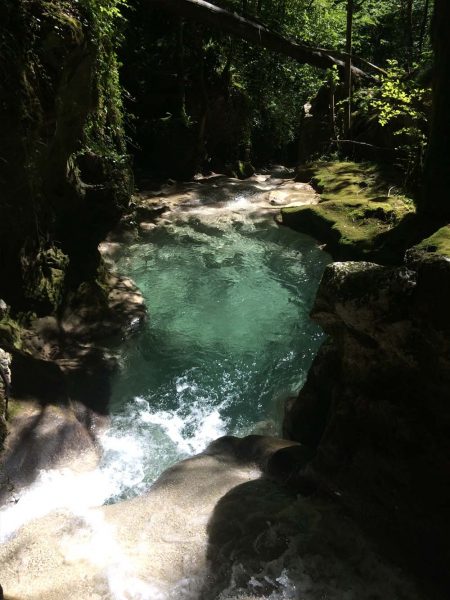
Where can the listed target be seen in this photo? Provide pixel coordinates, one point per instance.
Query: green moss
(356, 211)
(437, 244)
(244, 169)
(10, 334)
(44, 279)
(15, 408)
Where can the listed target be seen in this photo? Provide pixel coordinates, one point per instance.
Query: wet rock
(44, 437)
(149, 212)
(146, 227)
(212, 526)
(101, 309)
(286, 465)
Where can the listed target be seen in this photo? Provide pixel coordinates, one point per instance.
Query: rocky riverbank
(375, 405)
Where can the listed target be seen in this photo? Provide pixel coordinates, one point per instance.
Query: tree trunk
(423, 26)
(409, 31)
(180, 70)
(255, 33)
(333, 110)
(435, 196)
(201, 147)
(348, 70)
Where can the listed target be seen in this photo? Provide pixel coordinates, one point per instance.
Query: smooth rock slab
(212, 527)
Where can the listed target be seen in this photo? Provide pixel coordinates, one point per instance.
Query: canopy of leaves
(261, 94)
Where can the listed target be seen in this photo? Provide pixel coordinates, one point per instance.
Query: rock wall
(5, 383)
(64, 183)
(376, 402)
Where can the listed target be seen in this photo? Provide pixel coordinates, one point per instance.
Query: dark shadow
(40, 441)
(85, 379)
(285, 529)
(408, 232)
(41, 379)
(263, 538)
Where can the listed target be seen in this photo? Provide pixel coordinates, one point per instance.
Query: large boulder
(376, 403)
(214, 526)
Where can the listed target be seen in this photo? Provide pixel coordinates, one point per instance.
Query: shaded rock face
(52, 215)
(5, 383)
(43, 438)
(375, 405)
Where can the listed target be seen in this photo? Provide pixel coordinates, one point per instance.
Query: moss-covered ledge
(436, 245)
(360, 216)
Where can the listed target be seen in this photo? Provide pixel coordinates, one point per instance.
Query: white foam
(240, 202)
(53, 490)
(190, 433)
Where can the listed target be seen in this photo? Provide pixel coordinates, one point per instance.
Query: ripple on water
(228, 334)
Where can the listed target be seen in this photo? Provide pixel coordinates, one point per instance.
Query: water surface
(227, 340)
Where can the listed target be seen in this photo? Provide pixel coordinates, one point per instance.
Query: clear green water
(227, 339)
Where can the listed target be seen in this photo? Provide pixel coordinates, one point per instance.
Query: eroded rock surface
(5, 383)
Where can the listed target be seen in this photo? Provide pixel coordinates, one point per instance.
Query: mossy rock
(44, 279)
(436, 245)
(244, 169)
(10, 334)
(355, 212)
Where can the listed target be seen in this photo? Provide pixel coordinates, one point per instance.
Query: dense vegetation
(218, 100)
(63, 168)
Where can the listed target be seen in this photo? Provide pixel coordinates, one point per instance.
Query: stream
(227, 340)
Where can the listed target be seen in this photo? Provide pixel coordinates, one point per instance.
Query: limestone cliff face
(376, 402)
(59, 195)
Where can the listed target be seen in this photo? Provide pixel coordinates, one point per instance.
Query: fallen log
(256, 33)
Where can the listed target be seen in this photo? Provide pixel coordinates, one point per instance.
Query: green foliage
(400, 105)
(253, 95)
(398, 97)
(104, 25)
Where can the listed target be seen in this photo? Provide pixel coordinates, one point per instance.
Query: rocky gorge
(361, 464)
(109, 489)
(374, 406)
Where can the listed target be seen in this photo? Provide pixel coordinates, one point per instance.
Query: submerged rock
(375, 404)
